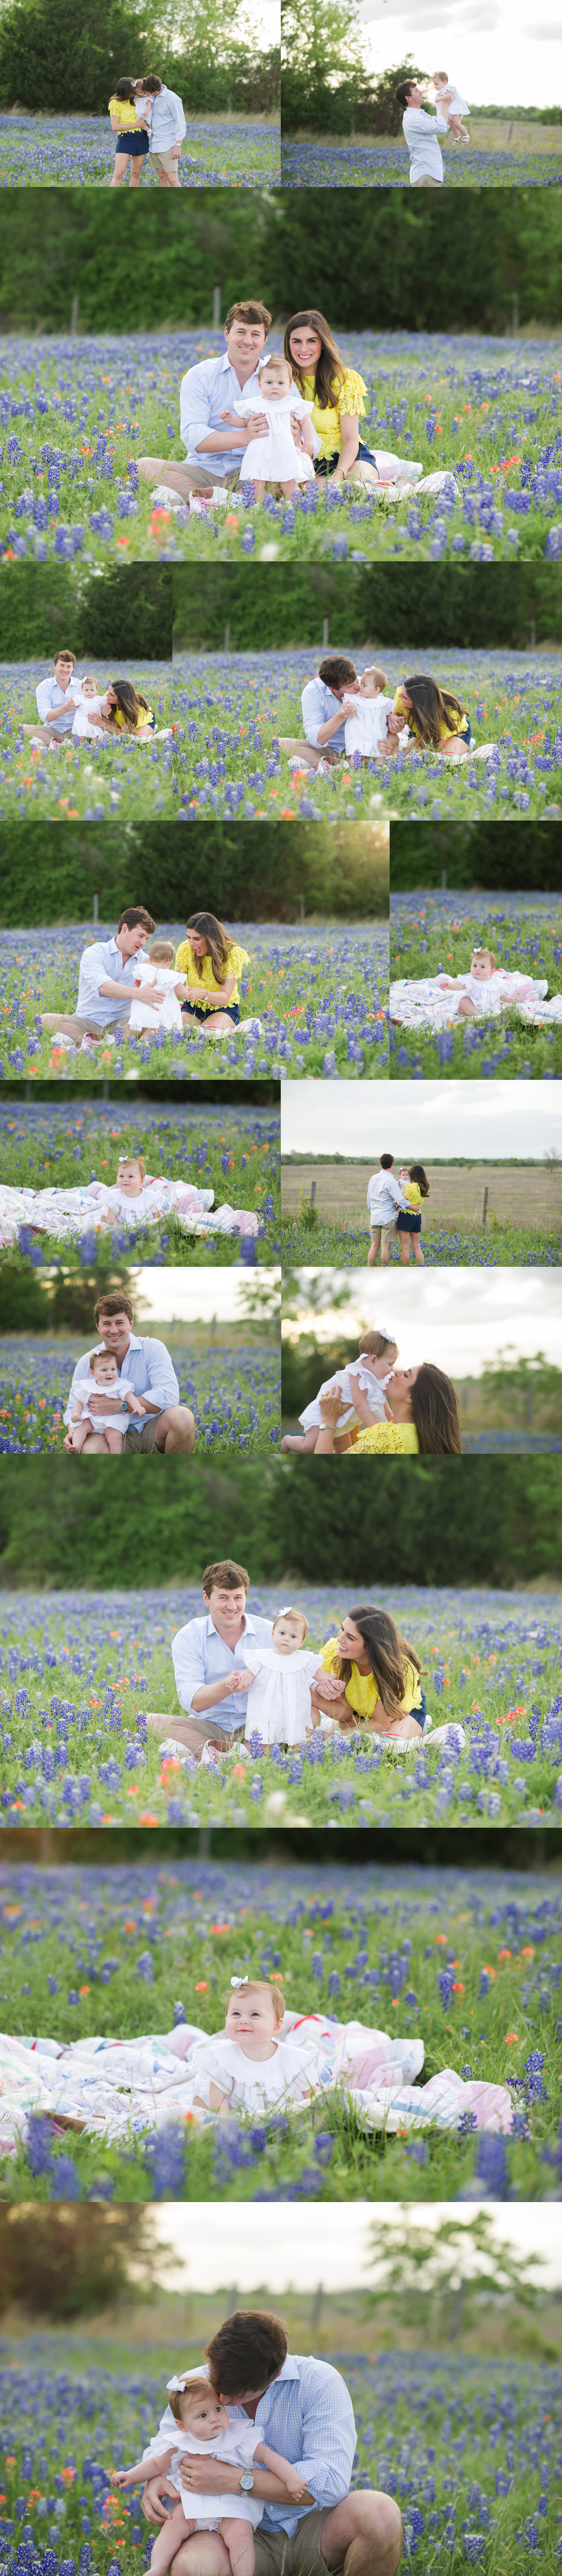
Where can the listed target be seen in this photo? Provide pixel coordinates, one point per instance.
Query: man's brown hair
(335, 670)
(134, 914)
(249, 2348)
(245, 312)
(67, 656)
(228, 1574)
(116, 1303)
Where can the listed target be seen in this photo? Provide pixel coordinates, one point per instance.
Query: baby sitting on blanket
(484, 992)
(252, 2068)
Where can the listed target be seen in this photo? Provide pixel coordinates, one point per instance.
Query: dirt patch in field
(524, 1198)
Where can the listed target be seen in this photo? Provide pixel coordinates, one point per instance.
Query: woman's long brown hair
(435, 1413)
(129, 700)
(417, 1174)
(330, 366)
(207, 927)
(387, 1652)
(430, 706)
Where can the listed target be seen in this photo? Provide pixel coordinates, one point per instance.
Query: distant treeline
(379, 268)
(474, 855)
(244, 871)
(54, 56)
(122, 616)
(426, 605)
(440, 1520)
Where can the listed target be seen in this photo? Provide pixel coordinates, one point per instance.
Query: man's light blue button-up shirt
(200, 1656)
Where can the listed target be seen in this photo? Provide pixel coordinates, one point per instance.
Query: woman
(425, 1417)
(337, 396)
(212, 962)
(132, 142)
(377, 1677)
(436, 720)
(124, 709)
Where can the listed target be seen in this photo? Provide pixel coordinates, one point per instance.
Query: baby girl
(104, 1379)
(278, 1679)
(275, 458)
(88, 691)
(159, 969)
(452, 105)
(377, 1354)
(204, 2426)
(485, 990)
(252, 2068)
(366, 729)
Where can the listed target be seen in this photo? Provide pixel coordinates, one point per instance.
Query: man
(106, 987)
(56, 707)
(303, 2409)
(209, 1656)
(384, 1196)
(421, 132)
(326, 701)
(215, 451)
(169, 1425)
(167, 130)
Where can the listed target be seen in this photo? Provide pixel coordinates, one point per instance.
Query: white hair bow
(201, 2373)
(239, 1981)
(286, 1608)
(387, 1331)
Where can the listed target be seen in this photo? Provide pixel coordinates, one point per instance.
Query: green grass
(191, 1960)
(495, 1246)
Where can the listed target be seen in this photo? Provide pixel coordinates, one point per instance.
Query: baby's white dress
(237, 2447)
(284, 2078)
(86, 1387)
(367, 727)
(373, 1387)
(456, 106)
(83, 730)
(169, 1016)
(275, 459)
(279, 1699)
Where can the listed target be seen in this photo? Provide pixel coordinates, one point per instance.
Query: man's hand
(105, 1403)
(238, 1682)
(348, 705)
(67, 1444)
(204, 2476)
(245, 1679)
(151, 2498)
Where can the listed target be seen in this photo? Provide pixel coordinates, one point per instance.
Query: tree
(459, 2266)
(114, 617)
(431, 605)
(68, 2261)
(476, 854)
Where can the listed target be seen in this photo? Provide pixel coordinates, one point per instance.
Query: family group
(70, 708)
(125, 988)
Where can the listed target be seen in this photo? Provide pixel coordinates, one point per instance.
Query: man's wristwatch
(124, 1405)
(246, 2482)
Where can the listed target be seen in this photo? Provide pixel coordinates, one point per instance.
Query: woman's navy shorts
(327, 464)
(194, 1011)
(135, 143)
(408, 1224)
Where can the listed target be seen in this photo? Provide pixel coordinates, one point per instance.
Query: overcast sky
(238, 2244)
(417, 1119)
(492, 57)
(459, 1318)
(192, 1296)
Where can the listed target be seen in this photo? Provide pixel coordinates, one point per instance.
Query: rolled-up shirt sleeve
(328, 2446)
(312, 711)
(162, 1380)
(195, 407)
(189, 1666)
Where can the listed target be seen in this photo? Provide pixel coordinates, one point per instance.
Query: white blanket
(116, 2090)
(427, 1004)
(66, 1213)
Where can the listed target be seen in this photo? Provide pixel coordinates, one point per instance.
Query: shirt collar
(214, 1632)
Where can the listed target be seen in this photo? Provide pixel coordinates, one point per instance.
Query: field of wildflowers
(232, 709)
(233, 1392)
(79, 151)
(432, 934)
(76, 413)
(78, 1749)
(324, 990)
(314, 164)
(477, 2487)
(80, 782)
(235, 1151)
(87, 1953)
(344, 1246)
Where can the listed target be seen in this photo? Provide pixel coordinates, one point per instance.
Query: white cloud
(191, 1296)
(475, 1119)
(214, 2246)
(460, 1319)
(492, 57)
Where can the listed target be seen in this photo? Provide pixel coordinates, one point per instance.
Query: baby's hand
(134, 1404)
(296, 2486)
(244, 1680)
(118, 2477)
